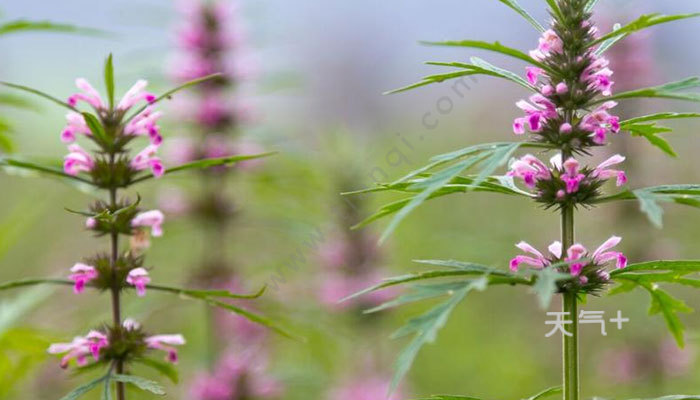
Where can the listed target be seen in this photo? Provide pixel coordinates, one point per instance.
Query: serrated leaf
(643, 22)
(207, 163)
(495, 47)
(666, 91)
(518, 9)
(425, 328)
(81, 390)
(109, 80)
(141, 383)
(650, 133)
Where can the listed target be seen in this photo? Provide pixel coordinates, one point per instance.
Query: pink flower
(135, 94)
(363, 388)
(571, 176)
(165, 343)
(80, 348)
(533, 74)
(144, 124)
(601, 255)
(146, 158)
(562, 88)
(77, 160)
(138, 277)
(131, 324)
(82, 274)
(76, 124)
(90, 223)
(600, 122)
(153, 219)
(549, 43)
(537, 259)
(536, 115)
(597, 75)
(602, 171)
(88, 95)
(530, 169)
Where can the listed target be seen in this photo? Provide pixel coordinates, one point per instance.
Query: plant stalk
(571, 387)
(116, 304)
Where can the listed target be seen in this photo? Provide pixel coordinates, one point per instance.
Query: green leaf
(95, 126)
(438, 78)
(449, 397)
(649, 198)
(546, 283)
(680, 267)
(546, 393)
(657, 117)
(650, 132)
(141, 383)
(676, 397)
(198, 293)
(7, 162)
(643, 22)
(171, 92)
(504, 73)
(610, 42)
(418, 293)
(81, 390)
(253, 317)
(425, 328)
(665, 91)
(107, 387)
(495, 47)
(40, 94)
(109, 80)
(518, 9)
(7, 99)
(164, 368)
(208, 163)
(47, 26)
(554, 8)
(590, 5)
(31, 282)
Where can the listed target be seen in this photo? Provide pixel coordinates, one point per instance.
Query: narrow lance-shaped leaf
(141, 383)
(199, 293)
(207, 163)
(610, 42)
(591, 4)
(643, 22)
(495, 47)
(25, 26)
(518, 9)
(504, 73)
(109, 80)
(30, 166)
(439, 78)
(666, 91)
(40, 94)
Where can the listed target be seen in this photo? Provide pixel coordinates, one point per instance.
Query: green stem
(116, 302)
(570, 305)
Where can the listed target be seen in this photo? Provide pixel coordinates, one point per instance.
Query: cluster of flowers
(114, 272)
(144, 123)
(97, 342)
(570, 113)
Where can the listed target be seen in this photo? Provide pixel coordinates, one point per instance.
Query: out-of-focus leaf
(518, 9)
(171, 92)
(207, 293)
(7, 162)
(418, 293)
(610, 42)
(643, 22)
(650, 197)
(253, 317)
(495, 47)
(81, 390)
(555, 8)
(425, 328)
(40, 94)
(546, 284)
(109, 80)
(591, 4)
(7, 99)
(666, 91)
(164, 368)
(47, 26)
(546, 393)
(208, 163)
(676, 397)
(449, 397)
(141, 383)
(31, 282)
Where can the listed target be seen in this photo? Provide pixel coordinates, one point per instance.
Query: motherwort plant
(110, 165)
(569, 114)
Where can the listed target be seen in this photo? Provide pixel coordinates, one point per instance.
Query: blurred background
(320, 70)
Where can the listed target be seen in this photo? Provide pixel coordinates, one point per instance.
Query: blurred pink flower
(82, 274)
(166, 343)
(80, 348)
(138, 277)
(363, 388)
(153, 219)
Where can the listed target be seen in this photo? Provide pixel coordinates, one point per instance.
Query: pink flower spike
(81, 275)
(138, 277)
(165, 343)
(153, 218)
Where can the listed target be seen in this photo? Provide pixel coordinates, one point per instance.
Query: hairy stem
(570, 305)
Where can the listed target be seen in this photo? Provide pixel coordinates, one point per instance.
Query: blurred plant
(112, 127)
(570, 114)
(209, 39)
(11, 100)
